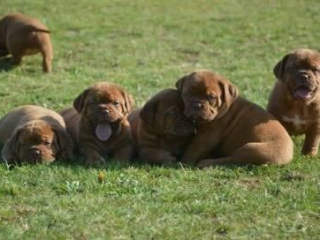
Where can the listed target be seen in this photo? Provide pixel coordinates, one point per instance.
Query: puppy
(98, 123)
(35, 135)
(295, 98)
(22, 35)
(230, 129)
(160, 129)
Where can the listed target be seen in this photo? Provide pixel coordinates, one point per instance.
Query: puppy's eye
(316, 69)
(116, 103)
(211, 97)
(47, 143)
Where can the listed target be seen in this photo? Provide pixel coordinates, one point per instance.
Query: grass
(146, 46)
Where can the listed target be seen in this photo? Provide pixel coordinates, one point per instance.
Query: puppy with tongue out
(295, 98)
(98, 122)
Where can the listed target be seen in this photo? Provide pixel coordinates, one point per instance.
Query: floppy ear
(180, 82)
(10, 149)
(229, 93)
(148, 112)
(78, 103)
(64, 143)
(128, 101)
(279, 68)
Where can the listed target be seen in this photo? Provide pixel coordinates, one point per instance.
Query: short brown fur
(35, 135)
(160, 129)
(22, 35)
(89, 111)
(300, 115)
(230, 129)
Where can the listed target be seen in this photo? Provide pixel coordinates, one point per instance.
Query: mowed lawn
(146, 46)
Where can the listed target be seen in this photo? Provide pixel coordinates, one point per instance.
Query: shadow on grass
(6, 64)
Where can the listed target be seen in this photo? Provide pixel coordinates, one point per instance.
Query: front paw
(205, 163)
(96, 161)
(313, 152)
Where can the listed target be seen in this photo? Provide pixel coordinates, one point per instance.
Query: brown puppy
(234, 129)
(35, 135)
(22, 35)
(160, 129)
(98, 123)
(295, 99)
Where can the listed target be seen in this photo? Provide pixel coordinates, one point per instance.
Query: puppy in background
(230, 129)
(98, 123)
(34, 134)
(160, 129)
(295, 98)
(22, 35)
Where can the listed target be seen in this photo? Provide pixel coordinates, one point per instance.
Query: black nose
(304, 77)
(104, 111)
(198, 105)
(35, 151)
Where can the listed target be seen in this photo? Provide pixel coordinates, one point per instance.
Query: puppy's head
(37, 142)
(104, 105)
(206, 96)
(164, 113)
(300, 72)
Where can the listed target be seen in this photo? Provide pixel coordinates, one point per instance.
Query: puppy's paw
(205, 163)
(95, 162)
(169, 160)
(313, 152)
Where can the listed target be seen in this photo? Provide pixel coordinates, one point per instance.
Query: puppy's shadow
(6, 64)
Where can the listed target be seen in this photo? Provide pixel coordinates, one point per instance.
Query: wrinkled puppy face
(206, 96)
(104, 105)
(300, 72)
(164, 112)
(36, 143)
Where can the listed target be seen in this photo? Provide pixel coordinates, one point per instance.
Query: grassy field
(146, 46)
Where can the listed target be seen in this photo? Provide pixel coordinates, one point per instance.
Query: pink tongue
(103, 131)
(302, 93)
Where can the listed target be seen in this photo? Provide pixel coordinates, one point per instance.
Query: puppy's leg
(200, 148)
(156, 156)
(47, 55)
(16, 59)
(124, 154)
(92, 156)
(311, 142)
(3, 52)
(278, 153)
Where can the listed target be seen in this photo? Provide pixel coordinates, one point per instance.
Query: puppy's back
(25, 114)
(72, 120)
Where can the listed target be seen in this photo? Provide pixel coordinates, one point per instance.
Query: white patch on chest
(296, 121)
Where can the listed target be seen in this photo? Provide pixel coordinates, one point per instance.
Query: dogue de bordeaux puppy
(160, 129)
(22, 35)
(33, 134)
(230, 129)
(98, 123)
(295, 99)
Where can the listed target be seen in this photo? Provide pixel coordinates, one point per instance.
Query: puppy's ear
(180, 82)
(280, 67)
(78, 103)
(64, 144)
(148, 112)
(128, 102)
(229, 94)
(11, 147)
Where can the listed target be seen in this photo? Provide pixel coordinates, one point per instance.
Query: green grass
(146, 46)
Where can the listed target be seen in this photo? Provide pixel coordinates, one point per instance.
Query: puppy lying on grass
(34, 134)
(295, 98)
(160, 130)
(98, 123)
(230, 127)
(22, 35)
